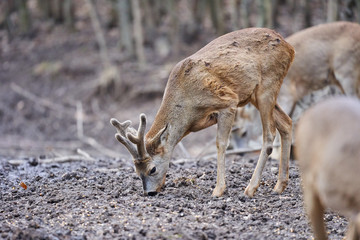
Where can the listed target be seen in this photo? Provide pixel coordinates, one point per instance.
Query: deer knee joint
(269, 150)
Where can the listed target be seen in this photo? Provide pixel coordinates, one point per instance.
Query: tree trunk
(126, 39)
(332, 10)
(138, 33)
(24, 16)
(274, 10)
(268, 4)
(57, 10)
(149, 25)
(244, 11)
(110, 76)
(358, 10)
(234, 14)
(217, 16)
(174, 35)
(307, 14)
(261, 18)
(68, 13)
(44, 6)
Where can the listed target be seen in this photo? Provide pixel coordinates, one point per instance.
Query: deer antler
(127, 136)
(139, 140)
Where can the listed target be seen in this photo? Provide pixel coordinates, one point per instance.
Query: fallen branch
(15, 142)
(183, 150)
(79, 120)
(63, 159)
(83, 153)
(89, 140)
(183, 160)
(237, 151)
(100, 148)
(41, 101)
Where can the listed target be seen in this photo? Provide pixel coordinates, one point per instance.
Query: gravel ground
(103, 199)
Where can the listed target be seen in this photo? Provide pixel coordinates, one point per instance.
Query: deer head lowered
(205, 89)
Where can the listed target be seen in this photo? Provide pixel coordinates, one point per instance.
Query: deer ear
(161, 137)
(158, 140)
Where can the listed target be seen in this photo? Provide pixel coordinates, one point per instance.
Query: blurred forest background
(67, 67)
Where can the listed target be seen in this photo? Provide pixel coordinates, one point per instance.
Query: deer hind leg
(315, 211)
(225, 121)
(283, 124)
(265, 107)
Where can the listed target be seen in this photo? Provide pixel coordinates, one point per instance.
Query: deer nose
(151, 193)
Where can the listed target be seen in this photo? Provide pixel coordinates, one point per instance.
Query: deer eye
(153, 170)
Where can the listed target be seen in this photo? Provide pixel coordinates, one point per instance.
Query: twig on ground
(83, 153)
(41, 101)
(183, 150)
(183, 160)
(231, 152)
(79, 120)
(211, 142)
(63, 159)
(100, 148)
(89, 140)
(237, 151)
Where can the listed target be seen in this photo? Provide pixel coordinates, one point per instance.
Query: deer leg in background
(353, 232)
(225, 121)
(283, 124)
(315, 213)
(266, 113)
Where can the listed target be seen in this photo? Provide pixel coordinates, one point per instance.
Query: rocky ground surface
(102, 199)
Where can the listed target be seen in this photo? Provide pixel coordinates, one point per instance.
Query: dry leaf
(23, 185)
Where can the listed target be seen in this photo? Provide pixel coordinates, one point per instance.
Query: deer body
(327, 147)
(206, 88)
(326, 54)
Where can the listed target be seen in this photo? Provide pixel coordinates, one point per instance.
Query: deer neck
(172, 116)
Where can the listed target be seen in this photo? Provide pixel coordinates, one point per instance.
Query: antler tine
(139, 140)
(121, 136)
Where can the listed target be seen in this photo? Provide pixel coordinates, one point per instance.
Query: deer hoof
(250, 191)
(280, 186)
(218, 191)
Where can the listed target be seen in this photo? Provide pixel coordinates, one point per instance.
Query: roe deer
(206, 88)
(328, 151)
(326, 55)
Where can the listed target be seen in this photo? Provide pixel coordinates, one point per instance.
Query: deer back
(228, 69)
(325, 54)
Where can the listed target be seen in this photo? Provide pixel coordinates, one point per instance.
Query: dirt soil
(43, 81)
(103, 200)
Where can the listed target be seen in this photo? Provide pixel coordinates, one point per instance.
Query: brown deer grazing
(328, 150)
(244, 66)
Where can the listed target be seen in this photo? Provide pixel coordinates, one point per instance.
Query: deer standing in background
(244, 66)
(326, 54)
(328, 151)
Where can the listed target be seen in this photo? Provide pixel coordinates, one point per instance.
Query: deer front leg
(225, 121)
